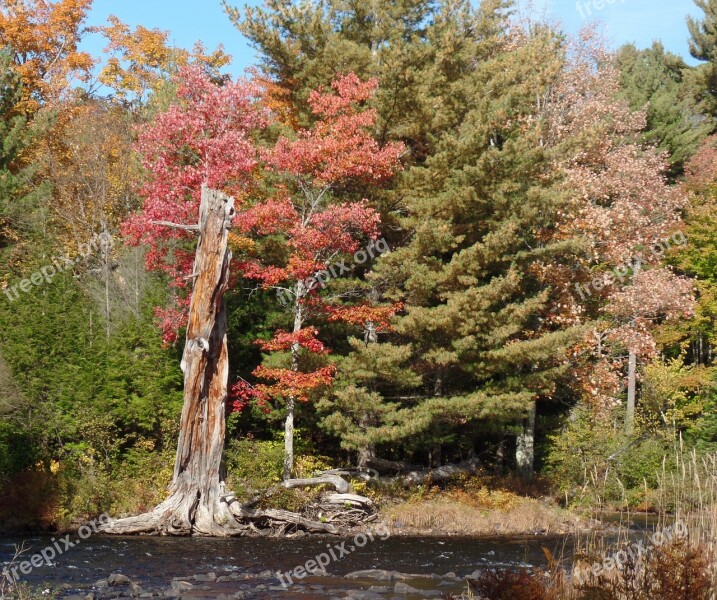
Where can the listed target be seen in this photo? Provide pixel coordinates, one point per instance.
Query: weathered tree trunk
(195, 502)
(198, 502)
(106, 258)
(525, 445)
(443, 473)
(367, 451)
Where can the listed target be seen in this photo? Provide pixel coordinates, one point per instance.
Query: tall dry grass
(679, 566)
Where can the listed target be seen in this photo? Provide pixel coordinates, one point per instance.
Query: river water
(155, 561)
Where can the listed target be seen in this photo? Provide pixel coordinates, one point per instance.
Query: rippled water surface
(155, 560)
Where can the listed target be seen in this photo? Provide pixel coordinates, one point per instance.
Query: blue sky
(636, 21)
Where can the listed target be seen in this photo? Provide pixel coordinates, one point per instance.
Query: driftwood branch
(341, 485)
(193, 228)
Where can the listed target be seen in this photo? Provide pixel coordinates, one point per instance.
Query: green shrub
(592, 462)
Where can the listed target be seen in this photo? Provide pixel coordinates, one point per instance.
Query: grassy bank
(477, 506)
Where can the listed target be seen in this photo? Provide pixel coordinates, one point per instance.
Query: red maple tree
(319, 232)
(205, 137)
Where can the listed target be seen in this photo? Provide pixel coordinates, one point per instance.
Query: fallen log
(386, 466)
(441, 474)
(350, 499)
(341, 485)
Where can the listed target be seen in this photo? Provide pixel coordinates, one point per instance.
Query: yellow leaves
(44, 36)
(671, 392)
(214, 60)
(278, 99)
(143, 57)
(89, 162)
(240, 244)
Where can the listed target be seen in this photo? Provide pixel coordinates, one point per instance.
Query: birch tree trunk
(525, 445)
(631, 380)
(291, 401)
(631, 392)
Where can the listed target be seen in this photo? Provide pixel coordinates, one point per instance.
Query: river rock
(377, 574)
(208, 577)
(118, 579)
(380, 589)
(181, 586)
(474, 575)
(363, 595)
(404, 588)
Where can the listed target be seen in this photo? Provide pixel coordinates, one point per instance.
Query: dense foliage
(458, 234)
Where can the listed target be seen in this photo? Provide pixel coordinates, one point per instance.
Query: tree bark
(198, 502)
(631, 379)
(525, 445)
(195, 504)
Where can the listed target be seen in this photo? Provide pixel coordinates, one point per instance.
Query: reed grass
(682, 566)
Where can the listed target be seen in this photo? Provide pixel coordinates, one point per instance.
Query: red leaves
(350, 90)
(205, 138)
(284, 383)
(654, 294)
(340, 146)
(306, 338)
(293, 383)
(316, 231)
(242, 394)
(380, 316)
(701, 170)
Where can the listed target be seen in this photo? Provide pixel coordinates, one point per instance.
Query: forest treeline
(460, 234)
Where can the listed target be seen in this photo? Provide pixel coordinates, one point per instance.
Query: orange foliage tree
(43, 37)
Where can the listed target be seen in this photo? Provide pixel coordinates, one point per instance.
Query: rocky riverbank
(370, 584)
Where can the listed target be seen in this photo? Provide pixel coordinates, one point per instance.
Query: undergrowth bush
(592, 463)
(254, 466)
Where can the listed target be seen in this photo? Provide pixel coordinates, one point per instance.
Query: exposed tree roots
(223, 515)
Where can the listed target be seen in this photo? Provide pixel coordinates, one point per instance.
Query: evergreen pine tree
(654, 80)
(703, 47)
